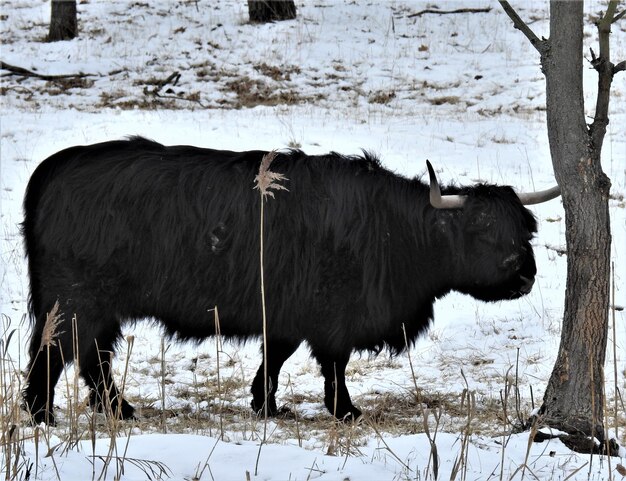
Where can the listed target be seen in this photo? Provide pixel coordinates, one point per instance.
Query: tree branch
(605, 70)
(169, 93)
(458, 10)
(29, 73)
(620, 66)
(158, 86)
(519, 24)
(619, 16)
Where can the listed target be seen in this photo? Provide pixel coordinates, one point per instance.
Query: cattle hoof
(45, 418)
(284, 412)
(38, 415)
(122, 410)
(272, 410)
(351, 417)
(127, 412)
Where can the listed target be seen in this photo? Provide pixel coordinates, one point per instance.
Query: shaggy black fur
(126, 230)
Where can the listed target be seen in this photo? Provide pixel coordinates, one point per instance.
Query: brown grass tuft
(266, 179)
(53, 319)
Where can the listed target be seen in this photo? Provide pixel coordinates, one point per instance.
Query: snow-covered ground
(463, 90)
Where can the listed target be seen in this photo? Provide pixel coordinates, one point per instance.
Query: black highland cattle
(354, 254)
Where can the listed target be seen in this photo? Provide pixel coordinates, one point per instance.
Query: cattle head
(495, 259)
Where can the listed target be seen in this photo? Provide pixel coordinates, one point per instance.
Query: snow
(464, 91)
(184, 456)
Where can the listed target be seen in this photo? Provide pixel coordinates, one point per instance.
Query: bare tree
(574, 398)
(269, 11)
(63, 20)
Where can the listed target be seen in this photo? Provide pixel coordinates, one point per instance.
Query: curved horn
(531, 198)
(439, 201)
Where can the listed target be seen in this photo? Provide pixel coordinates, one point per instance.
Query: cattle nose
(527, 284)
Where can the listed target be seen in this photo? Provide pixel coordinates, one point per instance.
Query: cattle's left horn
(439, 201)
(530, 198)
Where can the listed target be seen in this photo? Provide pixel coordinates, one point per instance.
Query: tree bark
(273, 10)
(63, 20)
(574, 397)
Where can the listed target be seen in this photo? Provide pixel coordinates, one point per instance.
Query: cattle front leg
(336, 395)
(278, 351)
(95, 368)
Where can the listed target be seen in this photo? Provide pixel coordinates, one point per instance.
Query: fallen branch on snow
(14, 70)
(169, 93)
(443, 12)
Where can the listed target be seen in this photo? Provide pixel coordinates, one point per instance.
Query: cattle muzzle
(527, 285)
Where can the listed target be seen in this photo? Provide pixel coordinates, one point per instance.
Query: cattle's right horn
(439, 201)
(530, 198)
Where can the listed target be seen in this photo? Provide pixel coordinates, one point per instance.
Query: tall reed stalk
(163, 373)
(12, 461)
(264, 181)
(218, 349)
(48, 340)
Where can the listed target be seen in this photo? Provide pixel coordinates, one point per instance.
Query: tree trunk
(63, 22)
(574, 397)
(269, 11)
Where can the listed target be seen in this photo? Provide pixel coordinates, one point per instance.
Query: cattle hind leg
(278, 352)
(94, 334)
(95, 369)
(44, 368)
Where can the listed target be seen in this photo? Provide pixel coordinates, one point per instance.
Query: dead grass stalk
(265, 181)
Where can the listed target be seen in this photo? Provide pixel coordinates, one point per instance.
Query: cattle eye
(513, 262)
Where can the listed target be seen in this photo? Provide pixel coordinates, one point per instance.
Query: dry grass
(227, 415)
(253, 92)
(445, 99)
(276, 73)
(50, 328)
(381, 97)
